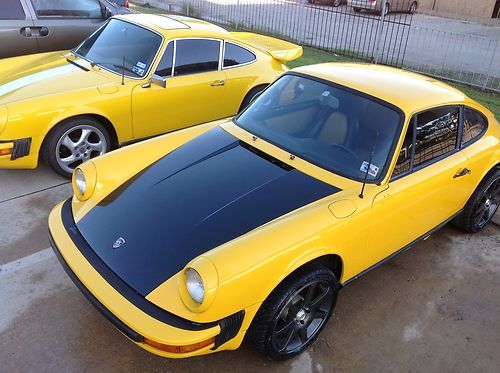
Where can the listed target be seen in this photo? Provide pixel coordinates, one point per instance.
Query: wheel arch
(100, 118)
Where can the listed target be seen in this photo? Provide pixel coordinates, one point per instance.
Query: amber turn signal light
(179, 349)
(5, 152)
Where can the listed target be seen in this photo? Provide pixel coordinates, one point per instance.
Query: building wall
(459, 8)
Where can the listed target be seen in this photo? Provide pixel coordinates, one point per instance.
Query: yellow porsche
(249, 227)
(136, 77)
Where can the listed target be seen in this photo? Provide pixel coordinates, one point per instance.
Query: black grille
(229, 327)
(21, 148)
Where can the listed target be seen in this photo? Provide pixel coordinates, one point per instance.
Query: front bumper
(132, 314)
(17, 154)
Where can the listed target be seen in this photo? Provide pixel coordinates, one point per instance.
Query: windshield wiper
(77, 65)
(121, 67)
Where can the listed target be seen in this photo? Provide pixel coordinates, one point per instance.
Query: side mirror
(107, 13)
(159, 80)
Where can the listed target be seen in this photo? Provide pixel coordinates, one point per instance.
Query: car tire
(387, 9)
(356, 10)
(413, 7)
(285, 326)
(482, 205)
(336, 3)
(250, 96)
(73, 142)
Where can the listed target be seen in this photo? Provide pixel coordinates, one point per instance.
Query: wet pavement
(436, 307)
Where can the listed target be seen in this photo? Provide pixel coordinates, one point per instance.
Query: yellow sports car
(137, 76)
(249, 227)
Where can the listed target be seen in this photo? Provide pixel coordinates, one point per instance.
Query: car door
(428, 185)
(63, 24)
(193, 88)
(16, 24)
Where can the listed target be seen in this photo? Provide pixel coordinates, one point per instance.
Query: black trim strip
(376, 265)
(120, 325)
(118, 284)
(77, 65)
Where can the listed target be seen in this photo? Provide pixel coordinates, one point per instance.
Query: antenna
(369, 165)
(123, 71)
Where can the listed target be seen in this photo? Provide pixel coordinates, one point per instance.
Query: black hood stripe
(207, 192)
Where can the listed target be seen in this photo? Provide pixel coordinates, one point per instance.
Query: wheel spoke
(69, 160)
(289, 338)
(320, 314)
(320, 298)
(288, 325)
(309, 295)
(97, 147)
(84, 136)
(68, 143)
(302, 332)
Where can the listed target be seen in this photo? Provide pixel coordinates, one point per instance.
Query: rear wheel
(482, 205)
(356, 10)
(74, 142)
(294, 314)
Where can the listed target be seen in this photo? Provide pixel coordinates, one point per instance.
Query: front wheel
(413, 7)
(482, 205)
(74, 142)
(293, 315)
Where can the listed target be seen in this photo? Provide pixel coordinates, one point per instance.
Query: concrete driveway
(434, 308)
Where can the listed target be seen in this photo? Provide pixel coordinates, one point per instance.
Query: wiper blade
(77, 65)
(121, 67)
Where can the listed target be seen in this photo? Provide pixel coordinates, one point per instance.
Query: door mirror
(159, 80)
(107, 13)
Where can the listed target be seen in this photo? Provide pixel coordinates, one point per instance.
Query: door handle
(26, 31)
(464, 172)
(218, 83)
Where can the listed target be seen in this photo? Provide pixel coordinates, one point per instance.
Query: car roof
(184, 25)
(409, 91)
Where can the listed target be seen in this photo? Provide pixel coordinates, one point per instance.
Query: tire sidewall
(49, 147)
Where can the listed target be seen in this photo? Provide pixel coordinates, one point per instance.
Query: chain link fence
(368, 30)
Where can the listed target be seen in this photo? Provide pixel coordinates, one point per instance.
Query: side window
(164, 68)
(68, 8)
(196, 56)
(474, 125)
(403, 164)
(12, 9)
(236, 55)
(437, 131)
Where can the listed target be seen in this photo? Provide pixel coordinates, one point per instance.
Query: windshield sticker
(141, 65)
(138, 71)
(373, 169)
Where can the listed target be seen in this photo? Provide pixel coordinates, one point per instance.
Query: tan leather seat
(334, 130)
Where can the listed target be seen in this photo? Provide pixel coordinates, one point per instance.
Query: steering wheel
(346, 150)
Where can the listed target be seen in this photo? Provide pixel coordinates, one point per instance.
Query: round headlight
(80, 182)
(194, 285)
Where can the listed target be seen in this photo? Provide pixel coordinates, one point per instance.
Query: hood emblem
(119, 243)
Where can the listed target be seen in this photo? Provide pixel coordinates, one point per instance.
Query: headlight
(84, 180)
(199, 284)
(194, 285)
(80, 181)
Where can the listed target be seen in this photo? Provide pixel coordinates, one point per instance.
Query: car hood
(46, 74)
(207, 192)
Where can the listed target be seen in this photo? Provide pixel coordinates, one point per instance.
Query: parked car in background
(334, 3)
(124, 3)
(248, 228)
(138, 76)
(409, 6)
(34, 26)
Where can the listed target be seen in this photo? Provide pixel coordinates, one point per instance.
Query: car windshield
(332, 127)
(121, 46)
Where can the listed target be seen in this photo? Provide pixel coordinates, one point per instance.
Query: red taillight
(373, 1)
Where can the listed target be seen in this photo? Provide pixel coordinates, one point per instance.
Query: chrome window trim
(195, 38)
(241, 64)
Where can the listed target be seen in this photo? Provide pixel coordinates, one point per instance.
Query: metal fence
(466, 52)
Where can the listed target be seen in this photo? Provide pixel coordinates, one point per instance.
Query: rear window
(11, 9)
(474, 125)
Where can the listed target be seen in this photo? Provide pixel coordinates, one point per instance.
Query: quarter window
(11, 9)
(474, 125)
(436, 134)
(196, 56)
(403, 164)
(68, 8)
(164, 68)
(235, 55)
